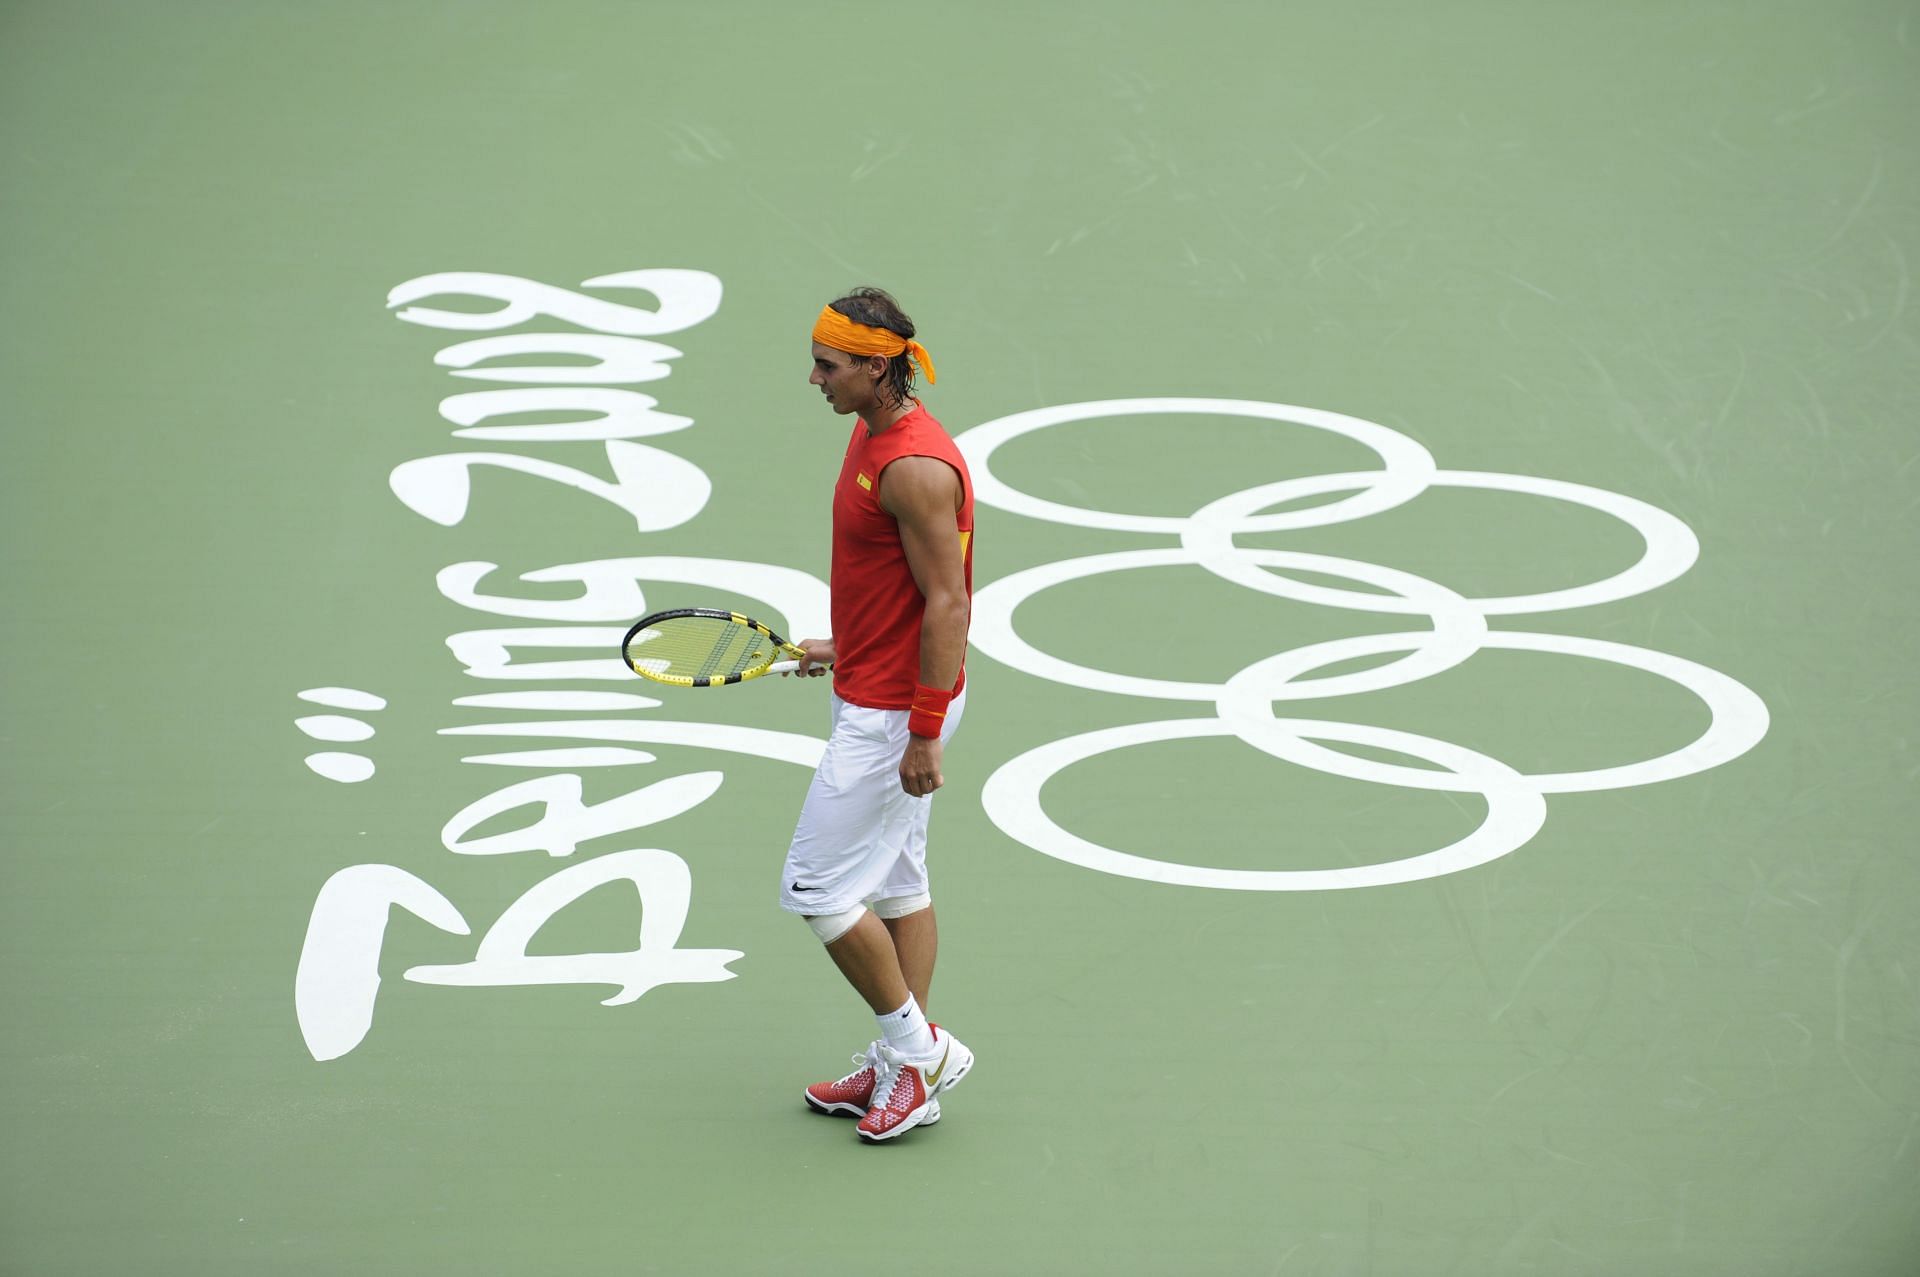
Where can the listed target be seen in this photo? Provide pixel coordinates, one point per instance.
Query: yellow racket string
(698, 648)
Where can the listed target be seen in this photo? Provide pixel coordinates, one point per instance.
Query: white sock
(906, 1030)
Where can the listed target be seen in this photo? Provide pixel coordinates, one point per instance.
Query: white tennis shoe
(905, 1091)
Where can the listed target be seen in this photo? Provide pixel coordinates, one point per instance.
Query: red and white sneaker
(852, 1095)
(905, 1091)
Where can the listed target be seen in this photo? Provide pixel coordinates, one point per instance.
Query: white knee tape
(830, 927)
(901, 906)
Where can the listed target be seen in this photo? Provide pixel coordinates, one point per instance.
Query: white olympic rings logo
(1244, 704)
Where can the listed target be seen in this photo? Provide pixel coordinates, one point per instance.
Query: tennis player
(902, 583)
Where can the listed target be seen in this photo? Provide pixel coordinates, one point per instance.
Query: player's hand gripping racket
(704, 647)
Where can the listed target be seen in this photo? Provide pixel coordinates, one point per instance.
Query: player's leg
(862, 838)
(866, 957)
(907, 906)
(910, 1078)
(864, 953)
(916, 942)
(845, 846)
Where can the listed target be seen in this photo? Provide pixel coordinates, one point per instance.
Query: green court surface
(1573, 931)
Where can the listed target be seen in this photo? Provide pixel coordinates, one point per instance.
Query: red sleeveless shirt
(877, 607)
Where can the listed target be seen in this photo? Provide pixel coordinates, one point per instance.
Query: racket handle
(788, 667)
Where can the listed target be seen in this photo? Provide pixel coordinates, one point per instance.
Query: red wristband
(929, 712)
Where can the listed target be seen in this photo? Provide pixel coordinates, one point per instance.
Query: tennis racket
(705, 647)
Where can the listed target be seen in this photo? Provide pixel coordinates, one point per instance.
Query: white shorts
(860, 837)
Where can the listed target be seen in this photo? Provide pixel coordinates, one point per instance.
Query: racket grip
(783, 667)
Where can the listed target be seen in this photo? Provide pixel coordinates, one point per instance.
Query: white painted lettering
(565, 820)
(687, 297)
(656, 488)
(618, 414)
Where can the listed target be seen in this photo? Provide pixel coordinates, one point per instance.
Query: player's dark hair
(876, 308)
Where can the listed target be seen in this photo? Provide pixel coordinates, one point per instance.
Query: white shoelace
(891, 1065)
(869, 1059)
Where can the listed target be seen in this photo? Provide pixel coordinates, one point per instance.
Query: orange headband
(836, 330)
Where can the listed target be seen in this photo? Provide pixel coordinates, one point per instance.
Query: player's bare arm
(923, 494)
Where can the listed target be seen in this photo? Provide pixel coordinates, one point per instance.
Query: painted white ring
(1457, 628)
(1405, 463)
(1671, 547)
(1011, 799)
(1738, 718)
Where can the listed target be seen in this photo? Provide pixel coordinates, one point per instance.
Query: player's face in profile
(842, 378)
